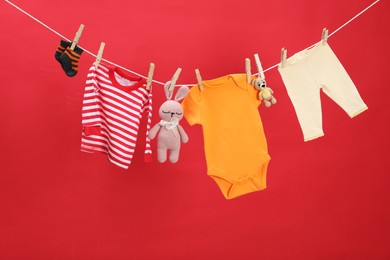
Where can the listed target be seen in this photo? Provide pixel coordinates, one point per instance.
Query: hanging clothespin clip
(99, 55)
(324, 37)
(199, 79)
(259, 67)
(77, 37)
(150, 76)
(248, 70)
(174, 79)
(283, 56)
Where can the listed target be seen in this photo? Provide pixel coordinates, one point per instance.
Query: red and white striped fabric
(112, 110)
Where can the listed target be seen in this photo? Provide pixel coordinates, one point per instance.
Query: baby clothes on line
(112, 110)
(234, 141)
(305, 74)
(68, 58)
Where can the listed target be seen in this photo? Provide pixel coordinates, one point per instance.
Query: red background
(326, 199)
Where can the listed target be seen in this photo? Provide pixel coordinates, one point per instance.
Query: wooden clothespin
(259, 67)
(199, 79)
(283, 56)
(150, 76)
(99, 55)
(77, 37)
(248, 70)
(174, 79)
(324, 37)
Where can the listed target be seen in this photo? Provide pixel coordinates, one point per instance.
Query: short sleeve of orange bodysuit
(191, 106)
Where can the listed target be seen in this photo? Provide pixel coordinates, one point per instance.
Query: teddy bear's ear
(168, 93)
(181, 93)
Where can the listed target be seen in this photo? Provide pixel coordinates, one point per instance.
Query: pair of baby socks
(68, 58)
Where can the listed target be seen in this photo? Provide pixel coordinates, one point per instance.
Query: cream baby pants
(309, 71)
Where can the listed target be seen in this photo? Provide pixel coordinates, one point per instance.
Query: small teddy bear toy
(170, 133)
(266, 93)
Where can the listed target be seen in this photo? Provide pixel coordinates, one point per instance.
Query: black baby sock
(69, 60)
(60, 49)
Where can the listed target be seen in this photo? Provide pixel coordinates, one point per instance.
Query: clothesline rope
(338, 29)
(159, 82)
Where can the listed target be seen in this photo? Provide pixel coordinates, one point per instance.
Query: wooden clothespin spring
(174, 79)
(150, 76)
(77, 37)
(324, 37)
(99, 55)
(248, 70)
(283, 56)
(199, 79)
(259, 67)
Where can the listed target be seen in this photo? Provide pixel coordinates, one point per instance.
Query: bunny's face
(171, 110)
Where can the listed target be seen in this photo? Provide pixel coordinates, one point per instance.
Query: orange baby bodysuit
(234, 141)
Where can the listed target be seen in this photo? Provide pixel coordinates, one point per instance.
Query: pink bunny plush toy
(170, 133)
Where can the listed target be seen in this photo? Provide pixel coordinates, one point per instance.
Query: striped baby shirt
(113, 105)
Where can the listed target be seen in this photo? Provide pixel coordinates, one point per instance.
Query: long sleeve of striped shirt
(91, 119)
(112, 110)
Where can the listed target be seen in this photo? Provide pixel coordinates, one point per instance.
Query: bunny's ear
(181, 93)
(168, 93)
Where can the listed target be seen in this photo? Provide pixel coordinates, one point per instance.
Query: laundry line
(159, 82)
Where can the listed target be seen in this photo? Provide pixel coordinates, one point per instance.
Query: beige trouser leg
(309, 71)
